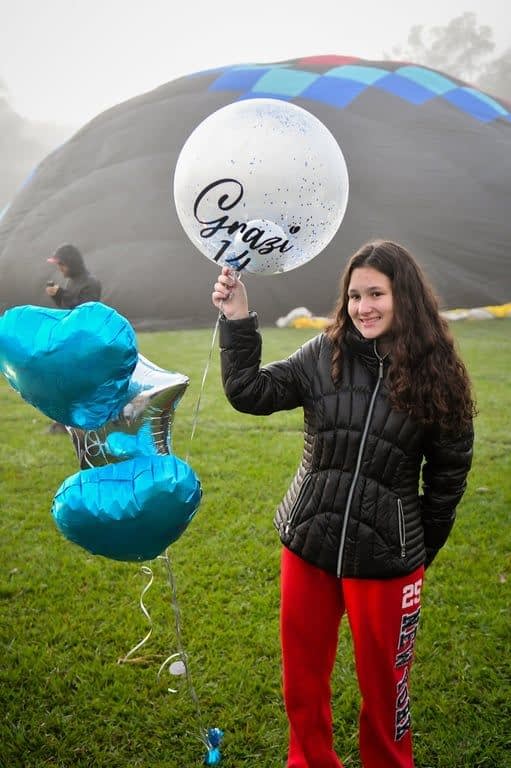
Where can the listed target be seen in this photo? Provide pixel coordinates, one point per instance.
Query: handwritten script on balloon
(254, 237)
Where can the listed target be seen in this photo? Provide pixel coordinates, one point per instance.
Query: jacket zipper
(294, 509)
(402, 530)
(359, 462)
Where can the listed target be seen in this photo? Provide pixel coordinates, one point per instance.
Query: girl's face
(370, 303)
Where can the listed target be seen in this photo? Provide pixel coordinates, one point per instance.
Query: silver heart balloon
(143, 427)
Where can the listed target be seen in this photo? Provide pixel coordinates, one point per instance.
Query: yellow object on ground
(318, 323)
(476, 313)
(503, 310)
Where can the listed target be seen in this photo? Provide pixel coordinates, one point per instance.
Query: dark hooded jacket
(354, 506)
(81, 286)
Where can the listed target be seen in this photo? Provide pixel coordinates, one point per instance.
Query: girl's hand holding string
(230, 296)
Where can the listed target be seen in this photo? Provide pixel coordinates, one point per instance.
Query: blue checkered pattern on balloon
(339, 86)
(132, 497)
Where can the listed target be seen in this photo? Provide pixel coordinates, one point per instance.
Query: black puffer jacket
(353, 507)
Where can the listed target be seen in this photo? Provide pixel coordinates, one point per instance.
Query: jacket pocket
(296, 505)
(401, 527)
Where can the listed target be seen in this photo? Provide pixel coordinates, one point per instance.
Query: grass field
(66, 616)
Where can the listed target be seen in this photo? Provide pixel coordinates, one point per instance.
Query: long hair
(426, 377)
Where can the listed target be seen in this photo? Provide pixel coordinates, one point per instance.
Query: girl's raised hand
(230, 296)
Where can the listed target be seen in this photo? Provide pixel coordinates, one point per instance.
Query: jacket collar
(366, 349)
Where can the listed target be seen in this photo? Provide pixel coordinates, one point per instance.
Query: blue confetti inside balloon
(73, 365)
(128, 511)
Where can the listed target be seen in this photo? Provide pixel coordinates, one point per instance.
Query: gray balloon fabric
(429, 160)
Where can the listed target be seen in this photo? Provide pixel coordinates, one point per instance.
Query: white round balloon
(261, 185)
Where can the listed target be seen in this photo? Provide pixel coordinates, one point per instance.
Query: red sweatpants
(383, 615)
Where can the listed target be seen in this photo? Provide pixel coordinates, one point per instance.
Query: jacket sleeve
(249, 388)
(444, 475)
(58, 297)
(91, 291)
(69, 299)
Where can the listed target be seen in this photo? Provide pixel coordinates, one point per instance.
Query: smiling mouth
(370, 320)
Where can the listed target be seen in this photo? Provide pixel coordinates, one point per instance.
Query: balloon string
(203, 383)
(205, 373)
(181, 653)
(147, 572)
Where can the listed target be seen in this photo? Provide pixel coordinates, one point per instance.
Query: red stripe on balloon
(326, 60)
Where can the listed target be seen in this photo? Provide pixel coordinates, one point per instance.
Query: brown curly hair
(426, 377)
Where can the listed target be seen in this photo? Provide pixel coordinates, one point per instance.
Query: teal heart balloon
(132, 497)
(128, 511)
(73, 365)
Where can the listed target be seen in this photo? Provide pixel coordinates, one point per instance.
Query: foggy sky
(67, 61)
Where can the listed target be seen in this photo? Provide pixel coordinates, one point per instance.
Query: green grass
(66, 616)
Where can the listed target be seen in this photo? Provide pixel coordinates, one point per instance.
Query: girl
(386, 400)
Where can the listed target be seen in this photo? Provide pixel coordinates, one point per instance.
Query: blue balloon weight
(73, 365)
(213, 756)
(128, 511)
